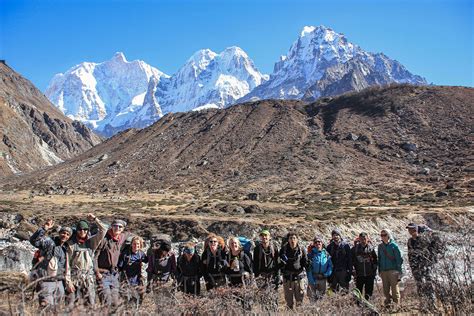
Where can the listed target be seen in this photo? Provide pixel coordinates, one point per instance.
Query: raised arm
(39, 238)
(95, 240)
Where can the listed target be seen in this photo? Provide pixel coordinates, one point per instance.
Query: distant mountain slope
(210, 79)
(33, 132)
(108, 95)
(324, 63)
(393, 140)
(115, 95)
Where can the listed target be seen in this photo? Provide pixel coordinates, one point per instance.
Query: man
(266, 261)
(81, 259)
(161, 268)
(364, 259)
(52, 266)
(293, 260)
(341, 257)
(106, 260)
(421, 258)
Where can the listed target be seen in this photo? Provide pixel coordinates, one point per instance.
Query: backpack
(82, 259)
(43, 262)
(258, 260)
(247, 245)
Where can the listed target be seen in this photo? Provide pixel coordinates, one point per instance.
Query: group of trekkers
(72, 267)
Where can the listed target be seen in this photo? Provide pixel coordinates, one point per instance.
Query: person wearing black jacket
(422, 256)
(213, 262)
(364, 259)
(189, 270)
(341, 257)
(293, 262)
(266, 261)
(53, 266)
(239, 268)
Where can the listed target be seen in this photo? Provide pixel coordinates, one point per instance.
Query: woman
(213, 262)
(239, 265)
(130, 265)
(390, 267)
(320, 268)
(189, 270)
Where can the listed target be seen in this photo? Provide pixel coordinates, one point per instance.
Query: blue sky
(432, 38)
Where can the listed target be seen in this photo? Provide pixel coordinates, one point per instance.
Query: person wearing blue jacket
(319, 269)
(390, 267)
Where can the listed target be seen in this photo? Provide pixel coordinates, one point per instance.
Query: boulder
(409, 146)
(253, 196)
(16, 257)
(254, 209)
(351, 136)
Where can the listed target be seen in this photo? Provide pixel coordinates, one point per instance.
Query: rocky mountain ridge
(110, 96)
(33, 132)
(391, 140)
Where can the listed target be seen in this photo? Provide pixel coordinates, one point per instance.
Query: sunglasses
(213, 241)
(383, 235)
(117, 226)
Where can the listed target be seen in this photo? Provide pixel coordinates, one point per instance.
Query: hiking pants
(317, 290)
(109, 288)
(215, 280)
(190, 285)
(390, 284)
(294, 291)
(367, 283)
(51, 293)
(424, 286)
(85, 289)
(339, 279)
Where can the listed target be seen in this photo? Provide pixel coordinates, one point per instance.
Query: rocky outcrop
(34, 133)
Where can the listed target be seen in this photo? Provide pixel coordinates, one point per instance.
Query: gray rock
(16, 257)
(409, 146)
(254, 209)
(351, 136)
(253, 196)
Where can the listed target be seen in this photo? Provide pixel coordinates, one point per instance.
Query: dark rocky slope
(390, 140)
(33, 132)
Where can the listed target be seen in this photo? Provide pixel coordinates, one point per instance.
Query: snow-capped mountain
(322, 62)
(211, 80)
(117, 94)
(108, 96)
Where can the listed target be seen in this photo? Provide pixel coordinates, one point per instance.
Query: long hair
(233, 238)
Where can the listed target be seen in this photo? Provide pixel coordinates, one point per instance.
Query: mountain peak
(119, 57)
(202, 55)
(321, 32)
(234, 51)
(307, 30)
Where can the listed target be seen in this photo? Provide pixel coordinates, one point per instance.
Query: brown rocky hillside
(34, 133)
(390, 141)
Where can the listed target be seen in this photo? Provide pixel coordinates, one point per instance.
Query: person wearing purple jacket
(341, 256)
